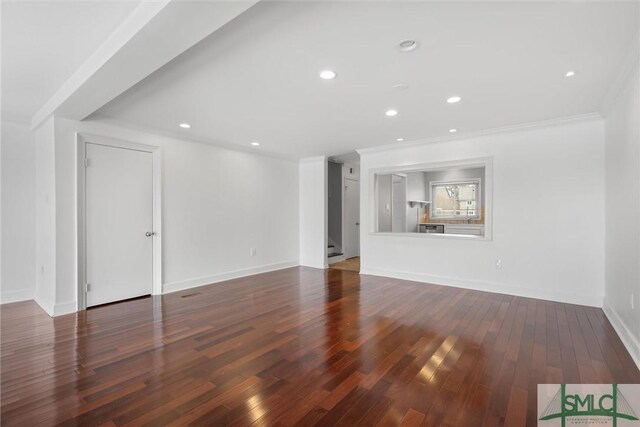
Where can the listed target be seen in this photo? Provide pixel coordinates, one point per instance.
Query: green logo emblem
(613, 405)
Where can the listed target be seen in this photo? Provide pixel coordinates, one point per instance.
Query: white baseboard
(64, 308)
(54, 310)
(48, 308)
(220, 277)
(320, 266)
(335, 259)
(630, 342)
(592, 301)
(16, 296)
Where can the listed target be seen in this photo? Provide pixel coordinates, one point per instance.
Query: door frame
(344, 214)
(82, 139)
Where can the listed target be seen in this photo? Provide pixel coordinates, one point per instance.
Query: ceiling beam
(156, 32)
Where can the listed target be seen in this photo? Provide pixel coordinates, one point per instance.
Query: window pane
(454, 200)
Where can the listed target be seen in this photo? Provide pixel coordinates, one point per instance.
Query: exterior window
(455, 199)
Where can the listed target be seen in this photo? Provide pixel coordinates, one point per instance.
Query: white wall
(622, 256)
(45, 216)
(217, 205)
(313, 212)
(548, 216)
(18, 213)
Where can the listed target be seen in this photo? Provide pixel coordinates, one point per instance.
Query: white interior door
(119, 215)
(352, 217)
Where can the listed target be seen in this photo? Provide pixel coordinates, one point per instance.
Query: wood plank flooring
(302, 347)
(349, 264)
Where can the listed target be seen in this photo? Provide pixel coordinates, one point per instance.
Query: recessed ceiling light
(453, 130)
(454, 99)
(327, 74)
(185, 125)
(570, 74)
(391, 113)
(407, 45)
(400, 139)
(255, 144)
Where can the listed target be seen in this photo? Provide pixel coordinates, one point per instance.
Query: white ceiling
(256, 79)
(44, 42)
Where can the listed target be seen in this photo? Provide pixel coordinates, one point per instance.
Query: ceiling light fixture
(454, 99)
(185, 125)
(570, 74)
(255, 144)
(453, 130)
(407, 45)
(327, 74)
(391, 113)
(400, 139)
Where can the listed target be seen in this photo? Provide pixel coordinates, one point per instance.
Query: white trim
(433, 235)
(44, 306)
(221, 277)
(486, 162)
(16, 296)
(630, 342)
(335, 259)
(484, 132)
(156, 151)
(592, 301)
(64, 308)
(57, 309)
(318, 266)
(625, 71)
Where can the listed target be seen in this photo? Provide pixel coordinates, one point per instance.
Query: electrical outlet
(252, 252)
(499, 264)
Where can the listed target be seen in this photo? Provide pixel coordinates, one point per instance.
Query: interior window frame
(372, 202)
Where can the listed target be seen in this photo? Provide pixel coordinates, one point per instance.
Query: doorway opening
(343, 207)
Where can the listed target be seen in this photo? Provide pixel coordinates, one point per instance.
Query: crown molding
(625, 71)
(485, 132)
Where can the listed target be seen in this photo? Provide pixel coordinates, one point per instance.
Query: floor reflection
(399, 357)
(298, 346)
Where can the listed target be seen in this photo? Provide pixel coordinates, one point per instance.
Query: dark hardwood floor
(302, 346)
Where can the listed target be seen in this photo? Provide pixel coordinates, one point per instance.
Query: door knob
(149, 233)
(357, 223)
